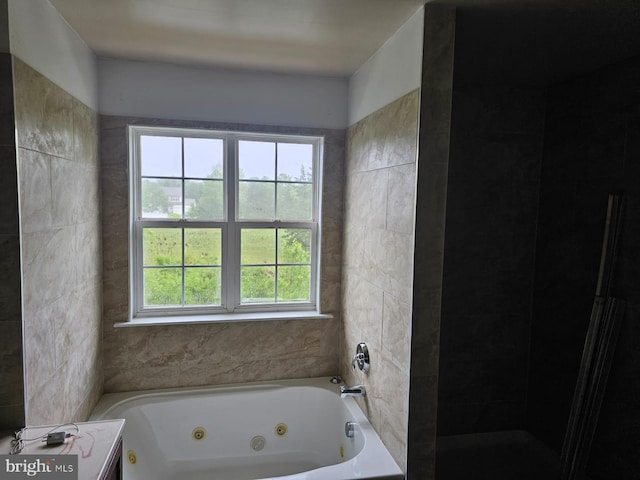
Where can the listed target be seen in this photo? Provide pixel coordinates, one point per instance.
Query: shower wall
(377, 266)
(61, 250)
(592, 148)
(492, 203)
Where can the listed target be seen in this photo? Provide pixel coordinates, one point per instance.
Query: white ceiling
(324, 37)
(515, 41)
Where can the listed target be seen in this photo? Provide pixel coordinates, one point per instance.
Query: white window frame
(230, 227)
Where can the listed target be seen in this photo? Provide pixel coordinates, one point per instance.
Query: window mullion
(231, 253)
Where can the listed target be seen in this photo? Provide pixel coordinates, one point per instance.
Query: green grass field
(203, 251)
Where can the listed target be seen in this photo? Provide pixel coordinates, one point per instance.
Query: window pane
(294, 284)
(202, 286)
(256, 200)
(204, 199)
(202, 246)
(257, 284)
(295, 201)
(162, 246)
(295, 162)
(162, 287)
(203, 158)
(258, 246)
(294, 245)
(161, 198)
(256, 160)
(160, 156)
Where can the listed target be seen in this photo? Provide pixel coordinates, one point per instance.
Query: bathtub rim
(109, 401)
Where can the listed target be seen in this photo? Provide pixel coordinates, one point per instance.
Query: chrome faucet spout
(355, 391)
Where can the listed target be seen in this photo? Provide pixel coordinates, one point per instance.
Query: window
(223, 222)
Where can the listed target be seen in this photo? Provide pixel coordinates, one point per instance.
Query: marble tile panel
(75, 192)
(85, 133)
(207, 345)
(44, 113)
(259, 370)
(39, 348)
(35, 191)
(81, 372)
(353, 245)
(115, 249)
(330, 288)
(400, 126)
(143, 378)
(389, 389)
(115, 296)
(396, 331)
(9, 219)
(45, 403)
(77, 320)
(334, 155)
(332, 192)
(10, 294)
(84, 410)
(11, 378)
(114, 146)
(362, 314)
(115, 200)
(363, 146)
(388, 262)
(401, 197)
(49, 266)
(366, 198)
(88, 250)
(190, 373)
(331, 243)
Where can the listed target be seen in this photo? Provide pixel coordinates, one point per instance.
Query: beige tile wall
(60, 225)
(378, 262)
(137, 358)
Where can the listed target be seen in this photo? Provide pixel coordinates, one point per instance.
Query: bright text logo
(50, 467)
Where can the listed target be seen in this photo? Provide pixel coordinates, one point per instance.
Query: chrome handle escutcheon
(361, 358)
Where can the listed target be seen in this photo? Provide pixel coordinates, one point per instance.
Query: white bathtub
(289, 429)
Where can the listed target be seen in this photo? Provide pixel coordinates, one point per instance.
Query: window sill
(222, 318)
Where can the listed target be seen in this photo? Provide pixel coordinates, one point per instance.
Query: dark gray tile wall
(592, 148)
(12, 412)
(431, 195)
(492, 202)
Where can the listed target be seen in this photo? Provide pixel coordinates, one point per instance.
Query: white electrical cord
(18, 442)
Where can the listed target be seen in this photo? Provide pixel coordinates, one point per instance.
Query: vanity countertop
(95, 444)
